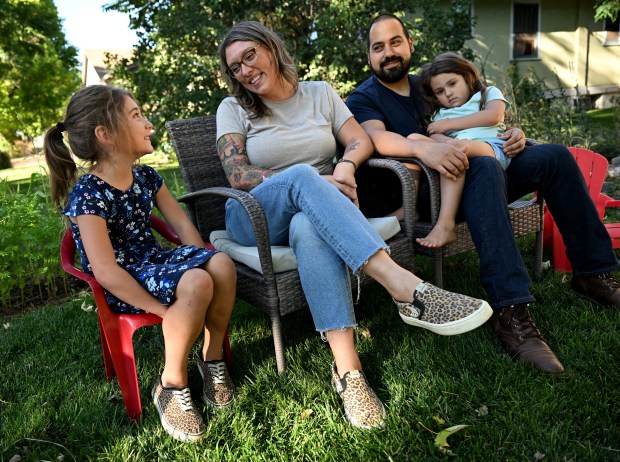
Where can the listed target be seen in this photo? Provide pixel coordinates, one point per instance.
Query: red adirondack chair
(594, 168)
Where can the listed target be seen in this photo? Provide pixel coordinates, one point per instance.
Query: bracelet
(342, 159)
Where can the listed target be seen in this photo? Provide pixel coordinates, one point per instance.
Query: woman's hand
(515, 141)
(344, 179)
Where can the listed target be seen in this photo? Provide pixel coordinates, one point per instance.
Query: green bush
(546, 119)
(29, 244)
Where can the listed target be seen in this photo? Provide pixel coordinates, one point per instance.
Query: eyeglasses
(248, 59)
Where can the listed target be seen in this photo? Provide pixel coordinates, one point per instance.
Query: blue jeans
(552, 170)
(327, 232)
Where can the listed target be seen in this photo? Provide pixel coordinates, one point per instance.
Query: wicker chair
(276, 294)
(526, 217)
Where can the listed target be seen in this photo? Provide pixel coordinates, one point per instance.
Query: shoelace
(610, 280)
(184, 399)
(524, 322)
(218, 371)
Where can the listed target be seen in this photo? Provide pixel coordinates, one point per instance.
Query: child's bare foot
(438, 237)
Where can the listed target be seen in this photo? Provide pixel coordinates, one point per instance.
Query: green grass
(602, 119)
(54, 399)
(55, 403)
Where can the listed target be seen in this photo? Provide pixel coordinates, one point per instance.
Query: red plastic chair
(594, 169)
(117, 329)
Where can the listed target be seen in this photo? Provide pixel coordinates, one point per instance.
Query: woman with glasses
(276, 137)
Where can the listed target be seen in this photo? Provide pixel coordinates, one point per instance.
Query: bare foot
(438, 237)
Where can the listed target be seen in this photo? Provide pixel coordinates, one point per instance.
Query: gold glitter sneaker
(217, 387)
(177, 412)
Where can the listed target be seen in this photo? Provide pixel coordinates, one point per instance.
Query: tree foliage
(175, 70)
(606, 9)
(38, 69)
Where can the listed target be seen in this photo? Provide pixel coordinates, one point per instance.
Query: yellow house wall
(571, 44)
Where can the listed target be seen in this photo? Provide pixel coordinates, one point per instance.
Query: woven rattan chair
(526, 217)
(276, 294)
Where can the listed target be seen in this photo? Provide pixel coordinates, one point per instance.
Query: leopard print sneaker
(443, 312)
(177, 412)
(361, 406)
(217, 387)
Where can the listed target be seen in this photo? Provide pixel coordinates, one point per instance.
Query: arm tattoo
(240, 173)
(353, 146)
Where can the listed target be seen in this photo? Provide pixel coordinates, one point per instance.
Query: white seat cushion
(282, 256)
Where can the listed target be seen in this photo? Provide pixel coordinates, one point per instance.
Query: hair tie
(60, 126)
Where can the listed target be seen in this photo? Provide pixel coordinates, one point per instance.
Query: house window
(525, 29)
(611, 31)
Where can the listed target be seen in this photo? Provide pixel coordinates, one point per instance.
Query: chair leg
(438, 267)
(125, 362)
(107, 357)
(560, 260)
(538, 255)
(276, 331)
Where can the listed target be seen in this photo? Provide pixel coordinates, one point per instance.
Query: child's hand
(438, 127)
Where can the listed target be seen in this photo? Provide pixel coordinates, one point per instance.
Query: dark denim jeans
(552, 170)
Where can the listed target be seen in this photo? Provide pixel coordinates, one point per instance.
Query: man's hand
(447, 160)
(515, 141)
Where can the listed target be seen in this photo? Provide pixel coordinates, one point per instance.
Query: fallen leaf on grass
(306, 413)
(365, 333)
(442, 436)
(16, 458)
(439, 420)
(87, 308)
(482, 410)
(6, 325)
(539, 456)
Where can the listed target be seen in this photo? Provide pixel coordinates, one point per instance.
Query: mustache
(391, 59)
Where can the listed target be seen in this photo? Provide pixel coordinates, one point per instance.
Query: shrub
(546, 119)
(29, 244)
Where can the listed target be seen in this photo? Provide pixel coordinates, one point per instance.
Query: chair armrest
(255, 212)
(164, 230)
(408, 187)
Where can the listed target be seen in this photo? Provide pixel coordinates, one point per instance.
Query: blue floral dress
(127, 214)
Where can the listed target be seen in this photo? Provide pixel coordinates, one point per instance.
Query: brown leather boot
(603, 289)
(521, 338)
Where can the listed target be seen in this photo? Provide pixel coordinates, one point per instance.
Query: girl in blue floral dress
(192, 288)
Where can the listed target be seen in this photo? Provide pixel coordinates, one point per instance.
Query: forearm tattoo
(353, 146)
(236, 164)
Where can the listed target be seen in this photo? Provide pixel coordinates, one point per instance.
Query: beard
(393, 74)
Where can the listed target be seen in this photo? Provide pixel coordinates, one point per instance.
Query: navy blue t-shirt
(379, 190)
(400, 114)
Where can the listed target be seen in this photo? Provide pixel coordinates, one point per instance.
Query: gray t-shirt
(300, 130)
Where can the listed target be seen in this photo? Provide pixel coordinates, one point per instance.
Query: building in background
(95, 67)
(554, 37)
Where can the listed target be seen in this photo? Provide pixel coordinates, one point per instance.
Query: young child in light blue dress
(467, 115)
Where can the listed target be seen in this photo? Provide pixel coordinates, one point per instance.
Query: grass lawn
(56, 405)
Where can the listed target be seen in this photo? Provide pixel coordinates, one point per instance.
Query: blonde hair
(252, 31)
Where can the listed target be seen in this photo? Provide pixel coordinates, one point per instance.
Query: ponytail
(63, 169)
